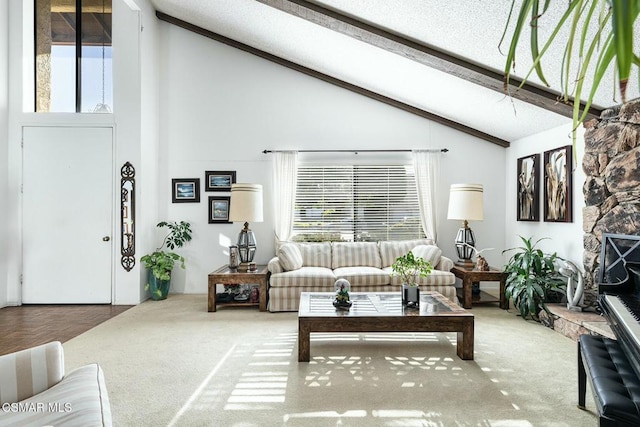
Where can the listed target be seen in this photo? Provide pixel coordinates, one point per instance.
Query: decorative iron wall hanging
(127, 216)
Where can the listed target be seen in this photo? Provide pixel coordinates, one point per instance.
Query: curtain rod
(443, 150)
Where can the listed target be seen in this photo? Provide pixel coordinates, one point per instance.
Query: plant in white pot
(160, 263)
(409, 268)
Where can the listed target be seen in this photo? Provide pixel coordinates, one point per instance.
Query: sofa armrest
(80, 399)
(274, 265)
(26, 373)
(445, 264)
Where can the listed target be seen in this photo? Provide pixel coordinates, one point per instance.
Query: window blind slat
(356, 203)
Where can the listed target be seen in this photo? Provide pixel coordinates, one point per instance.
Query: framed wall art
(219, 180)
(558, 185)
(528, 208)
(219, 209)
(185, 190)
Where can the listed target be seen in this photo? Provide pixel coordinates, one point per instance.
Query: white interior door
(67, 209)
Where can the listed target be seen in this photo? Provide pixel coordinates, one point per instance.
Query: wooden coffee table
(382, 312)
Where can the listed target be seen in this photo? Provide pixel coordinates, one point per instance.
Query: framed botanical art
(528, 208)
(185, 190)
(219, 209)
(219, 180)
(558, 185)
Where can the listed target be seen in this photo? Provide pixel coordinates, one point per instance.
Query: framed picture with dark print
(219, 180)
(529, 188)
(185, 190)
(558, 186)
(219, 209)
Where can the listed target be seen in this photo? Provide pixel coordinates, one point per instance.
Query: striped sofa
(314, 267)
(34, 391)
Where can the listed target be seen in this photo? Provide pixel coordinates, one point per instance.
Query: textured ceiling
(471, 30)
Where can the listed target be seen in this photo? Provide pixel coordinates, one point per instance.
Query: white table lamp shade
(466, 202)
(246, 203)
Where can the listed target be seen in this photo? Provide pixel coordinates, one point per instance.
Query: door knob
(106, 238)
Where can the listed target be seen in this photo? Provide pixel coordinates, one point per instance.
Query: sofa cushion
(305, 276)
(428, 253)
(390, 249)
(315, 254)
(362, 276)
(355, 254)
(290, 256)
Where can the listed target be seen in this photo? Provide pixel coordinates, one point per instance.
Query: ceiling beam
(329, 79)
(70, 20)
(427, 55)
(104, 26)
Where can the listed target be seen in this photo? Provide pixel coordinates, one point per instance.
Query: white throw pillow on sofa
(429, 253)
(290, 256)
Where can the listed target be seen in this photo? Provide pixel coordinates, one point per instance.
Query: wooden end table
(227, 276)
(471, 276)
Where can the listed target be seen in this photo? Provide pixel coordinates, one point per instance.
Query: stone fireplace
(612, 185)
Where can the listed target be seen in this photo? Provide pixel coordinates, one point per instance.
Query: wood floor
(29, 325)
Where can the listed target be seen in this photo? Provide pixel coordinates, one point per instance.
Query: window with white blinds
(356, 203)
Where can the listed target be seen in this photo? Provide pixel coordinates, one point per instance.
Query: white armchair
(34, 391)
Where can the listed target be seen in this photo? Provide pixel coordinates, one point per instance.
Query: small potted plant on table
(409, 268)
(160, 263)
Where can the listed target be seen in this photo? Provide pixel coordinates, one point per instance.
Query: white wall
(564, 238)
(15, 68)
(220, 107)
(4, 135)
(128, 122)
(136, 115)
(148, 150)
(185, 104)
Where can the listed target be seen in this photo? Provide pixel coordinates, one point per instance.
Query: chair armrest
(274, 265)
(26, 373)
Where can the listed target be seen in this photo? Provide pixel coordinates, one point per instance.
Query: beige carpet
(171, 363)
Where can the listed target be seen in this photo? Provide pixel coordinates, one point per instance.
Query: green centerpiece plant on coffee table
(409, 268)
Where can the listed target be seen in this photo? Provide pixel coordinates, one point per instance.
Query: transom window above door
(73, 52)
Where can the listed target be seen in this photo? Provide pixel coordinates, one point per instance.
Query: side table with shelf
(471, 276)
(227, 276)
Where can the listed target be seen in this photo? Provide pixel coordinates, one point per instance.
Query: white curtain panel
(285, 178)
(426, 164)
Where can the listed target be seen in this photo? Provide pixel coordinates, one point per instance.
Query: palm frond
(581, 19)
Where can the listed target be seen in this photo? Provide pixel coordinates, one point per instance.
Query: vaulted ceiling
(436, 58)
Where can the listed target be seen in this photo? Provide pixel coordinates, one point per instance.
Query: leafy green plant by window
(531, 275)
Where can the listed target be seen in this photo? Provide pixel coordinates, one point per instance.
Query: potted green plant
(160, 263)
(409, 268)
(531, 275)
